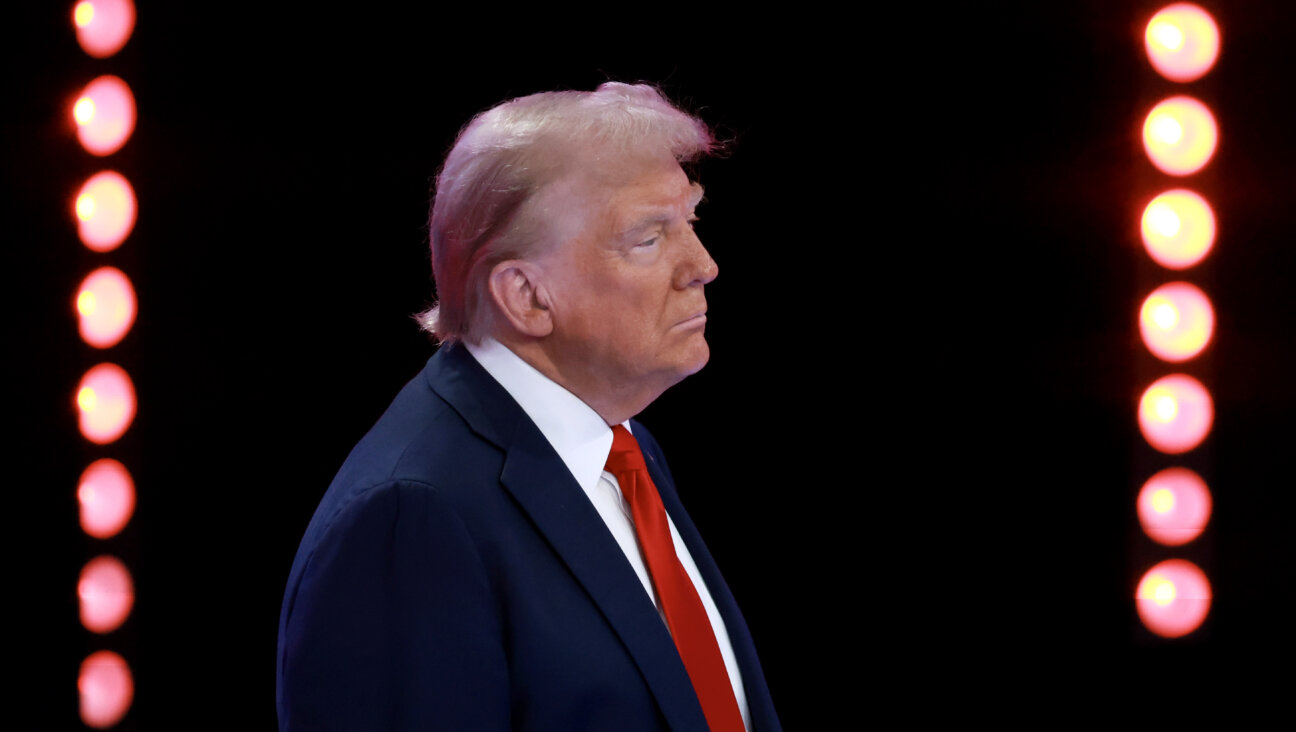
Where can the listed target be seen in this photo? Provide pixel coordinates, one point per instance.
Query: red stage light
(1176, 321)
(1182, 42)
(106, 495)
(1173, 598)
(1174, 506)
(106, 689)
(1178, 228)
(105, 305)
(103, 26)
(106, 594)
(104, 115)
(105, 210)
(1179, 135)
(106, 401)
(1175, 413)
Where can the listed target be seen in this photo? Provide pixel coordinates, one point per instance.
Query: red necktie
(685, 615)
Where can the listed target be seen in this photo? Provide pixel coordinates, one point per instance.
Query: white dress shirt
(583, 440)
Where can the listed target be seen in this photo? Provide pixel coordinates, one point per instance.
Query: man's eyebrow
(660, 216)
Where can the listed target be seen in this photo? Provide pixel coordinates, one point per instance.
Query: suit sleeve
(393, 625)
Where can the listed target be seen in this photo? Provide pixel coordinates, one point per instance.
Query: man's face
(626, 279)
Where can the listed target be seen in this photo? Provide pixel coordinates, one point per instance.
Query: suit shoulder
(419, 439)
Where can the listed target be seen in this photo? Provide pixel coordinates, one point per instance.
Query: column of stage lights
(1176, 320)
(104, 209)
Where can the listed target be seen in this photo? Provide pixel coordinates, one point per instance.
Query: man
(505, 549)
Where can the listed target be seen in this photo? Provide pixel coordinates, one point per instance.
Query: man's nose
(698, 268)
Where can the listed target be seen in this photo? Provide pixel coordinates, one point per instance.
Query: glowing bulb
(106, 594)
(1163, 501)
(106, 305)
(106, 402)
(103, 26)
(1174, 506)
(106, 495)
(105, 211)
(1182, 42)
(1180, 135)
(1176, 321)
(105, 115)
(1178, 228)
(106, 689)
(1175, 413)
(1173, 598)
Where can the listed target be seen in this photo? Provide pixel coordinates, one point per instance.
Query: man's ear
(519, 295)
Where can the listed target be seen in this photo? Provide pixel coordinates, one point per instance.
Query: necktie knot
(625, 455)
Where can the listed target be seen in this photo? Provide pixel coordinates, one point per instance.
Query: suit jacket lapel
(541, 484)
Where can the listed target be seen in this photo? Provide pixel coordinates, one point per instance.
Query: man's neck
(612, 403)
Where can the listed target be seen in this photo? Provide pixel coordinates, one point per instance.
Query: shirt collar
(575, 431)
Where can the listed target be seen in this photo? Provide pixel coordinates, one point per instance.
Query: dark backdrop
(916, 434)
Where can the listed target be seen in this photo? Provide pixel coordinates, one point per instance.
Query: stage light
(105, 210)
(105, 305)
(1174, 506)
(1176, 321)
(103, 26)
(1182, 42)
(1175, 413)
(1179, 135)
(106, 594)
(1178, 228)
(104, 115)
(106, 401)
(1173, 598)
(106, 689)
(106, 495)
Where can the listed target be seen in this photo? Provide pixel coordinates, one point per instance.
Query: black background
(914, 451)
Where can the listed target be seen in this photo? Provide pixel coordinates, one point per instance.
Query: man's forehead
(645, 182)
(602, 167)
(611, 175)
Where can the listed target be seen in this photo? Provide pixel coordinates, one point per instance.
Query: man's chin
(698, 358)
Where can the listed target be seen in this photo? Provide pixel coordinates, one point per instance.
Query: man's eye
(647, 243)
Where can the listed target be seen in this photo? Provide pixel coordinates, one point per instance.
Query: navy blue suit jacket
(456, 577)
